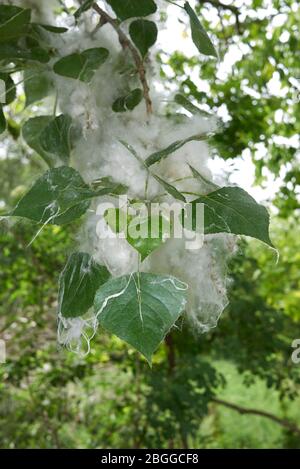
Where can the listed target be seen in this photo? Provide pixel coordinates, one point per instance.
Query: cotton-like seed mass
(40, 11)
(99, 153)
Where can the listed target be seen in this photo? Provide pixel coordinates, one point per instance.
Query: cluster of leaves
(152, 304)
(38, 380)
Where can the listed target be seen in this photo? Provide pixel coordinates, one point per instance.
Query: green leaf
(132, 8)
(166, 185)
(78, 283)
(53, 29)
(84, 7)
(2, 121)
(133, 99)
(83, 65)
(14, 22)
(143, 227)
(49, 137)
(145, 246)
(169, 188)
(161, 154)
(58, 197)
(37, 85)
(128, 102)
(184, 102)
(54, 139)
(233, 210)
(117, 219)
(119, 105)
(203, 179)
(116, 188)
(199, 35)
(10, 89)
(13, 51)
(140, 308)
(144, 34)
(132, 151)
(31, 131)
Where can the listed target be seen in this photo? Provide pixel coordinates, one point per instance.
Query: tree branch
(126, 43)
(244, 410)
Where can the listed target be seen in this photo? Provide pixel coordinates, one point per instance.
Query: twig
(244, 410)
(126, 43)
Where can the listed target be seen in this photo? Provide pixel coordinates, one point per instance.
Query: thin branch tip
(126, 43)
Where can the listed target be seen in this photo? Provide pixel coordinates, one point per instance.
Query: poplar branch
(126, 43)
(261, 413)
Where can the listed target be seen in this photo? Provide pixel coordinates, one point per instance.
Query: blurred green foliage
(259, 93)
(52, 398)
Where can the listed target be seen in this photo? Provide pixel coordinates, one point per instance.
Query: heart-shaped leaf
(37, 85)
(54, 139)
(199, 35)
(233, 210)
(144, 34)
(132, 8)
(140, 308)
(128, 102)
(81, 66)
(58, 197)
(50, 137)
(78, 283)
(154, 227)
(31, 131)
(144, 233)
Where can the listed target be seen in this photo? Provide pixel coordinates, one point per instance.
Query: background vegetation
(235, 387)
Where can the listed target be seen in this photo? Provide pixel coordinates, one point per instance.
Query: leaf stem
(192, 193)
(55, 104)
(175, 4)
(126, 43)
